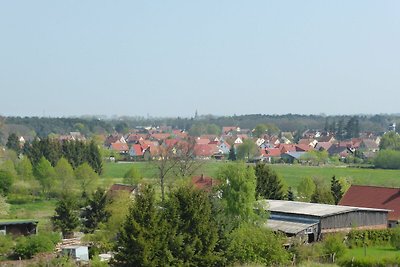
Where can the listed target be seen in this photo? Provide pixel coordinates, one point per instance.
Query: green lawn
(375, 252)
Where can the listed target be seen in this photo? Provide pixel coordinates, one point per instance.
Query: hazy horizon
(169, 59)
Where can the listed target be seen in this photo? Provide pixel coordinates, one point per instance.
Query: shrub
(6, 246)
(357, 238)
(27, 247)
(306, 252)
(256, 245)
(395, 238)
(334, 244)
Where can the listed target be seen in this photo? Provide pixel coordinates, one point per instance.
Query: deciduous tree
(305, 189)
(86, 177)
(248, 150)
(45, 174)
(238, 186)
(132, 176)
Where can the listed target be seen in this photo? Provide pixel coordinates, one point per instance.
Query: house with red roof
(269, 154)
(303, 148)
(121, 148)
(375, 197)
(205, 150)
(136, 151)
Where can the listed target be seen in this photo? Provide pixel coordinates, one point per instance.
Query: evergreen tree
(13, 143)
(352, 128)
(192, 235)
(290, 194)
(138, 242)
(336, 189)
(340, 130)
(51, 150)
(269, 184)
(232, 153)
(6, 180)
(95, 211)
(94, 157)
(34, 152)
(66, 218)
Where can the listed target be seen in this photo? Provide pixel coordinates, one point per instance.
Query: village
(301, 222)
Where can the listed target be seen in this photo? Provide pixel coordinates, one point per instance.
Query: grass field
(291, 173)
(375, 252)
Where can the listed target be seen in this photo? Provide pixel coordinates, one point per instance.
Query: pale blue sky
(169, 58)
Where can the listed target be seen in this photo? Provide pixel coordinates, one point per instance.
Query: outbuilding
(18, 227)
(79, 253)
(311, 220)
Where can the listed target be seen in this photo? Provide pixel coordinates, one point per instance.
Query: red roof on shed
(374, 197)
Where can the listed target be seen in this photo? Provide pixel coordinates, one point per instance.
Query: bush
(387, 159)
(357, 238)
(306, 252)
(334, 244)
(395, 238)
(27, 247)
(256, 245)
(6, 246)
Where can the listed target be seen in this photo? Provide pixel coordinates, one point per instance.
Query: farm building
(310, 221)
(383, 198)
(18, 227)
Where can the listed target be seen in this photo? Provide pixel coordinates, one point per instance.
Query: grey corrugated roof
(312, 209)
(288, 227)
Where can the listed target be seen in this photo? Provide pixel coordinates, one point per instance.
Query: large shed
(18, 227)
(311, 220)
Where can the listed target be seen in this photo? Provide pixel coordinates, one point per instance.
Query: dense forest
(45, 126)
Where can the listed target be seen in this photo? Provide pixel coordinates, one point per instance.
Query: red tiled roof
(374, 197)
(323, 145)
(271, 152)
(205, 150)
(138, 149)
(302, 147)
(202, 141)
(160, 136)
(119, 147)
(204, 182)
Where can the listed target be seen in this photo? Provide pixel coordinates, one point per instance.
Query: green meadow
(292, 174)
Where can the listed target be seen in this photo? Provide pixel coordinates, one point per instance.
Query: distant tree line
(344, 126)
(76, 152)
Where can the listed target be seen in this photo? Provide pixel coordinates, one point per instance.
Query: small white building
(79, 253)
